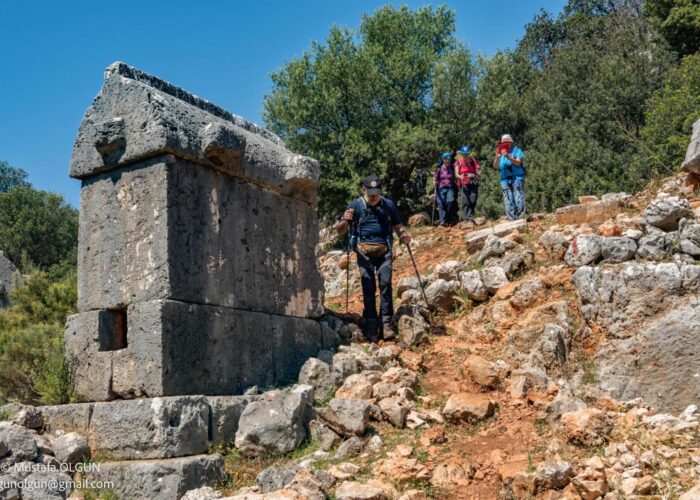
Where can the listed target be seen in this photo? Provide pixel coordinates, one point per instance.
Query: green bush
(32, 369)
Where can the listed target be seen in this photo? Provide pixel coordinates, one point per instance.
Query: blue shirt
(378, 221)
(510, 169)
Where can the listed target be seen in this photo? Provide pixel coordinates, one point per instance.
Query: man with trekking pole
(372, 219)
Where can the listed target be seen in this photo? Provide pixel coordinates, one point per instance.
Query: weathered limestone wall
(197, 270)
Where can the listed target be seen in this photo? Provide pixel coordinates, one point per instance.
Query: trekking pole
(415, 268)
(347, 271)
(432, 219)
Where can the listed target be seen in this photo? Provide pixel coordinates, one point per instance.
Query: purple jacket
(444, 176)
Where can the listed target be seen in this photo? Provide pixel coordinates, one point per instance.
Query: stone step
(164, 479)
(151, 428)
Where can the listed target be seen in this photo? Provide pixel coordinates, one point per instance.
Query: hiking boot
(371, 331)
(388, 332)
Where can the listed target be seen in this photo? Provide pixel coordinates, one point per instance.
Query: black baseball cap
(372, 184)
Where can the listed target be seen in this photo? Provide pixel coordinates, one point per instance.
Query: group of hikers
(371, 220)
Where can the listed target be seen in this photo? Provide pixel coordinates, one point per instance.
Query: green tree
(32, 367)
(37, 227)
(671, 111)
(363, 102)
(11, 177)
(678, 21)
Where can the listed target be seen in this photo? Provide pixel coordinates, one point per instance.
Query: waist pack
(373, 250)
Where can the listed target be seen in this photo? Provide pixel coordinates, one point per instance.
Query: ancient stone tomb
(197, 267)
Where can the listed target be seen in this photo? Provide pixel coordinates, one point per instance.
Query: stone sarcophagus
(197, 271)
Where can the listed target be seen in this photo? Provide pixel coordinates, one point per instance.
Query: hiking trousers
(470, 193)
(445, 201)
(370, 268)
(514, 197)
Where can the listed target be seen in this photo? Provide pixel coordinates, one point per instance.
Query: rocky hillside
(556, 357)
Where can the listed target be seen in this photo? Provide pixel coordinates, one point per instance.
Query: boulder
(473, 286)
(527, 293)
(667, 211)
(71, 448)
(552, 475)
(589, 427)
(163, 479)
(419, 219)
(495, 247)
(493, 278)
(276, 477)
(554, 243)
(653, 247)
(467, 407)
(275, 424)
(320, 376)
(48, 484)
(691, 163)
(347, 417)
(355, 387)
(402, 377)
(448, 271)
(27, 416)
(475, 239)
(592, 483)
(344, 365)
(225, 412)
(394, 411)
(350, 448)
(618, 249)
(19, 442)
(352, 490)
(324, 436)
(482, 372)
(441, 294)
(408, 283)
(689, 233)
(584, 249)
(413, 329)
(452, 473)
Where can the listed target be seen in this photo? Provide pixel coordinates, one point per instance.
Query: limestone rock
(694, 492)
(344, 365)
(320, 376)
(552, 475)
(413, 330)
(441, 294)
(355, 387)
(482, 372)
(408, 283)
(324, 436)
(352, 490)
(493, 278)
(527, 293)
(473, 286)
(495, 247)
(468, 407)
(394, 411)
(452, 473)
(163, 479)
(618, 249)
(448, 271)
(401, 377)
(275, 424)
(584, 249)
(276, 477)
(689, 232)
(203, 493)
(555, 243)
(399, 470)
(419, 219)
(349, 449)
(72, 448)
(666, 212)
(19, 441)
(47, 484)
(344, 471)
(347, 417)
(589, 427)
(653, 247)
(475, 239)
(592, 483)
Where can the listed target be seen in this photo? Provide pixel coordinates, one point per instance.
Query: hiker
(372, 218)
(444, 178)
(510, 160)
(467, 172)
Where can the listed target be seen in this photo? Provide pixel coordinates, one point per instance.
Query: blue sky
(54, 55)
